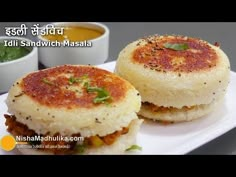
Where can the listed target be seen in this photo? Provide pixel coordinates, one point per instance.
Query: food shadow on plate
(175, 129)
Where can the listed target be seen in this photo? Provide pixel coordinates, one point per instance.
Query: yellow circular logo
(8, 143)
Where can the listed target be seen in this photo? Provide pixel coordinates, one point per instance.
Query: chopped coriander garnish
(86, 85)
(176, 46)
(102, 94)
(80, 148)
(84, 76)
(73, 80)
(134, 147)
(100, 99)
(96, 89)
(46, 81)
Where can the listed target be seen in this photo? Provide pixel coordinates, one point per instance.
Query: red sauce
(55, 94)
(199, 55)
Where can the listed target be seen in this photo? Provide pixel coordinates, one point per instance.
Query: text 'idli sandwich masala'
(179, 78)
(74, 101)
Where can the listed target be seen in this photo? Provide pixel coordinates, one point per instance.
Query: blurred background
(122, 33)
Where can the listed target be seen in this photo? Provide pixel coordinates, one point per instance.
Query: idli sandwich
(74, 101)
(179, 78)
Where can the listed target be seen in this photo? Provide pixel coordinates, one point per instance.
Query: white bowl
(12, 70)
(97, 54)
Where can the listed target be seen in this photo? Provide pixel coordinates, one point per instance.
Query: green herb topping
(73, 80)
(46, 81)
(80, 148)
(102, 94)
(176, 46)
(134, 147)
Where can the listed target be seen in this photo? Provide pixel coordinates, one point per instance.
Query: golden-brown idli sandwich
(179, 78)
(74, 101)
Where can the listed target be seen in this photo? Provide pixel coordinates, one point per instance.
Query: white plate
(178, 138)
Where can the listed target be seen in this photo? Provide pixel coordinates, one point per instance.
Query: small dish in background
(96, 54)
(15, 61)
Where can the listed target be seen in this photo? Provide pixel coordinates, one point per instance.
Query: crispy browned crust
(56, 92)
(153, 55)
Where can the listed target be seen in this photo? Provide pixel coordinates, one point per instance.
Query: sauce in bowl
(75, 33)
(12, 53)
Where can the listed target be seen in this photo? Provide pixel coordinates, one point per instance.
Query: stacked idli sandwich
(179, 78)
(74, 101)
